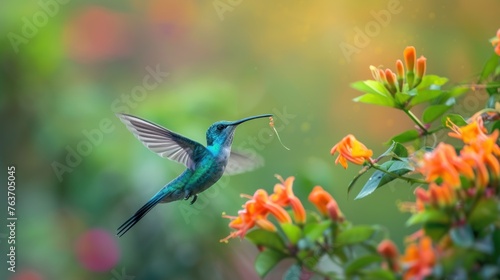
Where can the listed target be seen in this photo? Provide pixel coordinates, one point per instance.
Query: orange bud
(421, 63)
(400, 71)
(410, 55)
(391, 80)
(387, 249)
(334, 211)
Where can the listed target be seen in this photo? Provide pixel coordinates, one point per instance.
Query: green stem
(416, 121)
(408, 179)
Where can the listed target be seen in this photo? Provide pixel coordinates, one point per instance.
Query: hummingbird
(205, 165)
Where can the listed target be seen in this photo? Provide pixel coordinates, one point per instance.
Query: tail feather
(140, 214)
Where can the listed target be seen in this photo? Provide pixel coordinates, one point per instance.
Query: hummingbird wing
(240, 162)
(162, 141)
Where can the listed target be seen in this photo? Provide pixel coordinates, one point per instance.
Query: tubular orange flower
(468, 133)
(255, 212)
(320, 198)
(262, 200)
(283, 195)
(351, 150)
(439, 164)
(419, 259)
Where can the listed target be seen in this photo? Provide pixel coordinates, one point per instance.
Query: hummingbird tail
(139, 214)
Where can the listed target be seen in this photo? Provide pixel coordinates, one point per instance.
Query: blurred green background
(68, 66)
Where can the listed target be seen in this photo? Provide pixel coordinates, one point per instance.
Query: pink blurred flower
(97, 250)
(95, 34)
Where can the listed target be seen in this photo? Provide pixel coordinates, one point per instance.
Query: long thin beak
(250, 118)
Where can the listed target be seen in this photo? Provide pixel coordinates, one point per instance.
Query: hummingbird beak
(249, 118)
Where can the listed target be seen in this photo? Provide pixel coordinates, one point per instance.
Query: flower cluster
(456, 205)
(463, 193)
(476, 167)
(256, 210)
(395, 82)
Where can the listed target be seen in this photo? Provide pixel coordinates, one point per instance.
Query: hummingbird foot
(188, 195)
(194, 199)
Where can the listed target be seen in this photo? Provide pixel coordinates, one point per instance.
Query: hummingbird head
(221, 133)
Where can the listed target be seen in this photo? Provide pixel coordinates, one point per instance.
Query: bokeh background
(68, 66)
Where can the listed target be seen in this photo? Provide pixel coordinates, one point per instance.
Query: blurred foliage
(65, 65)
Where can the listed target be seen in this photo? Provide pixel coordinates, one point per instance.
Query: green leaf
(402, 97)
(400, 150)
(375, 99)
(454, 118)
(429, 80)
(293, 273)
(265, 238)
(406, 136)
(371, 86)
(355, 179)
(495, 126)
(400, 167)
(457, 91)
(355, 235)
(492, 88)
(292, 232)
(359, 263)
(379, 274)
(433, 112)
(462, 236)
(267, 260)
(489, 67)
(484, 214)
(395, 149)
(424, 96)
(429, 216)
(313, 231)
(436, 231)
(380, 178)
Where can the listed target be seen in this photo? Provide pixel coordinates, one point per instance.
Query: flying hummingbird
(205, 165)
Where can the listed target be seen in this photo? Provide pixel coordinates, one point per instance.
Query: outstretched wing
(240, 162)
(162, 141)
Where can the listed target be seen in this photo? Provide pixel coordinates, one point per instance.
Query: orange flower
(387, 249)
(351, 150)
(320, 198)
(262, 200)
(468, 133)
(419, 259)
(255, 212)
(440, 164)
(495, 41)
(283, 195)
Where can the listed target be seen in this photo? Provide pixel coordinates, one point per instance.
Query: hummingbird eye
(220, 127)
